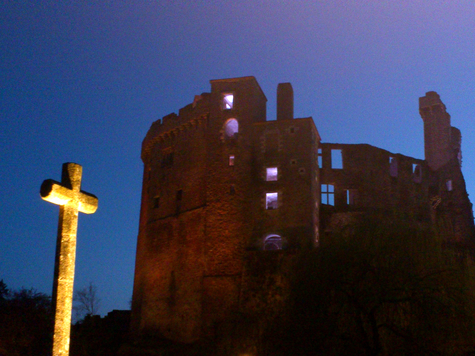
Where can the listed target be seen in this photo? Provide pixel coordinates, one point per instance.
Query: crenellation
(230, 199)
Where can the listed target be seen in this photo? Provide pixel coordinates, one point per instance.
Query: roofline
(240, 79)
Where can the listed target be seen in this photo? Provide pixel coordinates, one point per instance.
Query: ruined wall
(218, 236)
(371, 178)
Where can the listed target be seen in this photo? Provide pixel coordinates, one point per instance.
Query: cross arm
(87, 203)
(55, 193)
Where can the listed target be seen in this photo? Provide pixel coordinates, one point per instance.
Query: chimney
(285, 101)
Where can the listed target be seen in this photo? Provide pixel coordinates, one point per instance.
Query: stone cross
(71, 199)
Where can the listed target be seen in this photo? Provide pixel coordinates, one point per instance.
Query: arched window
(272, 243)
(231, 127)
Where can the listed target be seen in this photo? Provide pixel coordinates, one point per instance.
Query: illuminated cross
(71, 199)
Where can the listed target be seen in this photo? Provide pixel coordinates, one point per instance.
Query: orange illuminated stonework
(230, 200)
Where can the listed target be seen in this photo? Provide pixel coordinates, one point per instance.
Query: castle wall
(376, 180)
(229, 199)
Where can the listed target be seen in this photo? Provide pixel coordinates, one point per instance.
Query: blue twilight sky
(82, 81)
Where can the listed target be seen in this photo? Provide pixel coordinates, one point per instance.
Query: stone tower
(442, 142)
(229, 200)
(221, 184)
(452, 210)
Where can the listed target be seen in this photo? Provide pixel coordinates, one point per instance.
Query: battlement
(430, 99)
(190, 116)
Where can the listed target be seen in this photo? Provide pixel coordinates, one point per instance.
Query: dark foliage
(26, 322)
(96, 336)
(378, 289)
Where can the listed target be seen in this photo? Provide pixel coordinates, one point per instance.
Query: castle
(226, 194)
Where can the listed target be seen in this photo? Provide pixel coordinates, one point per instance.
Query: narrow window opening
(231, 160)
(167, 160)
(293, 162)
(228, 101)
(231, 128)
(328, 194)
(302, 170)
(320, 158)
(271, 201)
(337, 159)
(271, 174)
(179, 195)
(448, 183)
(417, 172)
(156, 202)
(351, 196)
(292, 130)
(273, 243)
(393, 166)
(232, 189)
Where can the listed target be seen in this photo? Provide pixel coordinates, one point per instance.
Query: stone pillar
(285, 101)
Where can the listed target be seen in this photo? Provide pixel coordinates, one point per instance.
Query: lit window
(351, 196)
(231, 127)
(273, 243)
(231, 160)
(320, 158)
(271, 174)
(271, 201)
(337, 159)
(228, 100)
(448, 183)
(393, 166)
(417, 172)
(328, 194)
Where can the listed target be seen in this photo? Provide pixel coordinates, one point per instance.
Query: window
(417, 172)
(393, 166)
(179, 195)
(337, 159)
(328, 194)
(273, 243)
(228, 101)
(271, 174)
(448, 184)
(351, 196)
(271, 201)
(231, 128)
(232, 189)
(320, 158)
(156, 202)
(231, 160)
(293, 162)
(167, 159)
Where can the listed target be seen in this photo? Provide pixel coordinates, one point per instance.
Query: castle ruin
(227, 194)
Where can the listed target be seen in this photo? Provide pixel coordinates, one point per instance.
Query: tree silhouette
(26, 322)
(376, 288)
(87, 301)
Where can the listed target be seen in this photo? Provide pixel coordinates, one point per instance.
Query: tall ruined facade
(229, 199)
